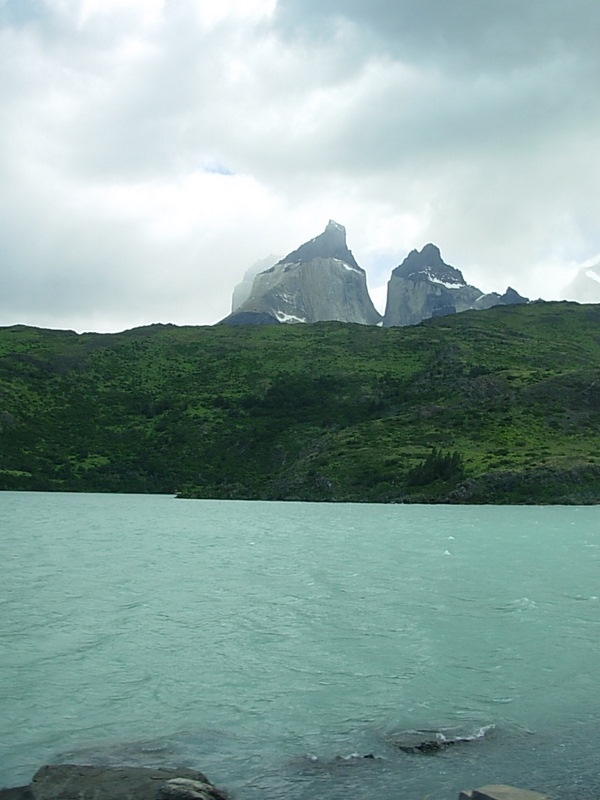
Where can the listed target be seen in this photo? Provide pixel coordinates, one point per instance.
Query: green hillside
(487, 407)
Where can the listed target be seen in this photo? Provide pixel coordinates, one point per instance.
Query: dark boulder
(72, 782)
(188, 789)
(501, 792)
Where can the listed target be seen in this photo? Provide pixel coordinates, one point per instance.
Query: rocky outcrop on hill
(424, 286)
(319, 281)
(510, 298)
(250, 318)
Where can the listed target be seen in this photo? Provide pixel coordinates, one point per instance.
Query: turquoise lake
(273, 645)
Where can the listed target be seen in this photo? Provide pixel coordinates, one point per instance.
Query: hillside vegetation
(489, 407)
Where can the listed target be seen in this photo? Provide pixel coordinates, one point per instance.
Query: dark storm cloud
(477, 35)
(488, 109)
(20, 13)
(480, 73)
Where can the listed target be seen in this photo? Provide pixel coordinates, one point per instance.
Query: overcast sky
(152, 150)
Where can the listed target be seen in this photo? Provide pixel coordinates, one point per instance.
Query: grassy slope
(325, 411)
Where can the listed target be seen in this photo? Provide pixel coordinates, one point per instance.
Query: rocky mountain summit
(319, 281)
(424, 286)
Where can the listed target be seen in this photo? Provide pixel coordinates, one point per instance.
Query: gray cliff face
(319, 281)
(424, 286)
(244, 289)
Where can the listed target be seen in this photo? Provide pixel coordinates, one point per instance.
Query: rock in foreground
(72, 782)
(501, 792)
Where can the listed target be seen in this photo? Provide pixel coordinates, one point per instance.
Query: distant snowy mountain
(585, 287)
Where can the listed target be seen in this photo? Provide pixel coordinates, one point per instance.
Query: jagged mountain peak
(425, 286)
(428, 264)
(429, 253)
(319, 281)
(329, 244)
(513, 297)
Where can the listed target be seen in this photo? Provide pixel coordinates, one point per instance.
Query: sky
(152, 150)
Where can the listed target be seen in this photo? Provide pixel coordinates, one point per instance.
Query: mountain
(424, 286)
(585, 286)
(319, 281)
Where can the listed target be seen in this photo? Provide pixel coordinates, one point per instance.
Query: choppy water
(261, 642)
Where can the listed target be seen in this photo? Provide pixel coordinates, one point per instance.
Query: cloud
(472, 37)
(152, 150)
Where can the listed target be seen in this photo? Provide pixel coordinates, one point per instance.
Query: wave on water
(519, 605)
(479, 733)
(433, 740)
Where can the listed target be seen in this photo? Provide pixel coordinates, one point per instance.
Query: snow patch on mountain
(593, 275)
(434, 279)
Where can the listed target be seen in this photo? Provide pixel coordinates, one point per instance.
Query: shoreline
(65, 781)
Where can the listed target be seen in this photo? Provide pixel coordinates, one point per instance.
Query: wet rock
(15, 793)
(353, 759)
(429, 742)
(188, 789)
(73, 782)
(429, 746)
(501, 792)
